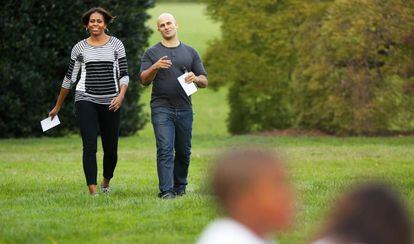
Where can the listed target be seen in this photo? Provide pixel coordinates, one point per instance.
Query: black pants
(90, 115)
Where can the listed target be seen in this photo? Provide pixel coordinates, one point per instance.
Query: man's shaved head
(164, 17)
(167, 26)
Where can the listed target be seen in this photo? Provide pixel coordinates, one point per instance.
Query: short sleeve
(197, 67)
(146, 61)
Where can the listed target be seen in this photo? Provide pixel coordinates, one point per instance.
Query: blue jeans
(173, 128)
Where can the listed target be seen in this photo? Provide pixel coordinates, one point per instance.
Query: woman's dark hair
(369, 214)
(105, 13)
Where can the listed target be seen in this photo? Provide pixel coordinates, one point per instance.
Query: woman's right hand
(53, 112)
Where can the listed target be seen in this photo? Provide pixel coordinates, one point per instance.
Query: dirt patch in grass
(317, 133)
(294, 132)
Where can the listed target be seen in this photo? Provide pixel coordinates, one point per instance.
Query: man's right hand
(163, 63)
(147, 76)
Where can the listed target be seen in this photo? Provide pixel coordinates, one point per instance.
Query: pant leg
(183, 134)
(109, 128)
(87, 116)
(163, 122)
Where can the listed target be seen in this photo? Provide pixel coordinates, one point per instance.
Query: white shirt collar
(227, 230)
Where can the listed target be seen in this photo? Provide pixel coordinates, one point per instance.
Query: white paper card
(48, 123)
(188, 88)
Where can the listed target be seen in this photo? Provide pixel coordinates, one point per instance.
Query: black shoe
(180, 193)
(166, 195)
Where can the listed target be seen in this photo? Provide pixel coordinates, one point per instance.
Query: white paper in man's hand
(189, 88)
(48, 123)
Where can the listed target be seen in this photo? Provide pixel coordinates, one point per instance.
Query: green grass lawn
(43, 196)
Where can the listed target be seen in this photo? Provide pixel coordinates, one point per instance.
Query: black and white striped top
(99, 70)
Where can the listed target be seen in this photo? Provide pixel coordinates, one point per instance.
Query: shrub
(254, 57)
(353, 67)
(343, 67)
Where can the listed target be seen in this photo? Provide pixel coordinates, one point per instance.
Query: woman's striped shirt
(98, 70)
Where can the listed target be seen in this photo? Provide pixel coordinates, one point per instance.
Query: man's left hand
(191, 77)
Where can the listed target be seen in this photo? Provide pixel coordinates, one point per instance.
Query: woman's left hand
(116, 103)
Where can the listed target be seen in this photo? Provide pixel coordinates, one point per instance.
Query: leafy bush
(177, 1)
(353, 67)
(36, 44)
(255, 57)
(339, 66)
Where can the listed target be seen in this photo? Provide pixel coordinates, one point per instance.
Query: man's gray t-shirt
(166, 90)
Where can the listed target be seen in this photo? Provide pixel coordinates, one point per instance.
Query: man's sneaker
(166, 195)
(180, 193)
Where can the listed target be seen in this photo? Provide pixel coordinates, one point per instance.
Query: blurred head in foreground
(252, 189)
(371, 213)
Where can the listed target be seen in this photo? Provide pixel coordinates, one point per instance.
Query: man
(171, 110)
(251, 188)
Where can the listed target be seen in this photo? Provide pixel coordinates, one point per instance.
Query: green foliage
(36, 44)
(337, 66)
(177, 1)
(255, 56)
(354, 62)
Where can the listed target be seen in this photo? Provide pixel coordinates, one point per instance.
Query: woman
(99, 66)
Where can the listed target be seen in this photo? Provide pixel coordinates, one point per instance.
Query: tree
(36, 45)
(256, 56)
(353, 66)
(344, 67)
